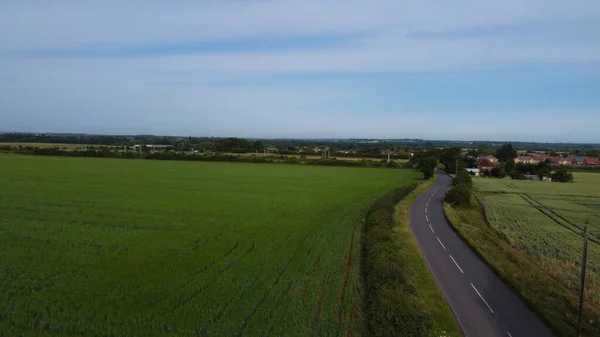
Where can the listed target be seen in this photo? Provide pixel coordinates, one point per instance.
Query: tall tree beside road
(427, 166)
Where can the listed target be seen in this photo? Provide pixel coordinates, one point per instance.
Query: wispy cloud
(270, 67)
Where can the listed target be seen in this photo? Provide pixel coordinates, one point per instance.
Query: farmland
(48, 145)
(148, 248)
(545, 221)
(399, 161)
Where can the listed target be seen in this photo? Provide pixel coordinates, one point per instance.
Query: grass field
(154, 248)
(545, 220)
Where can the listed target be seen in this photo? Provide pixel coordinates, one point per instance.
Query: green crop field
(113, 247)
(545, 221)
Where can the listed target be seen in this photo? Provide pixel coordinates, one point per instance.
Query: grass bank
(401, 297)
(555, 304)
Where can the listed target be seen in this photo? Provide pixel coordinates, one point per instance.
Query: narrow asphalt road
(483, 305)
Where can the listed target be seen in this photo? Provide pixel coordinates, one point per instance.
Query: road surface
(483, 305)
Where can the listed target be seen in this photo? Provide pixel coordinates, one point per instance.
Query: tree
(543, 169)
(562, 174)
(257, 146)
(498, 172)
(593, 153)
(449, 157)
(427, 166)
(472, 153)
(506, 153)
(483, 150)
(510, 166)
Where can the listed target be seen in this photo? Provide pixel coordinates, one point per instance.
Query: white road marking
(483, 299)
(426, 217)
(508, 333)
(440, 241)
(459, 268)
(425, 210)
(431, 229)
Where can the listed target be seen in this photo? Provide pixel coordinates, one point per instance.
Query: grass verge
(401, 297)
(555, 305)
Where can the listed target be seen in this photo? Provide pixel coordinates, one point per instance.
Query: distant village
(485, 164)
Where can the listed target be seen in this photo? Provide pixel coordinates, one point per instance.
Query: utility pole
(456, 171)
(582, 287)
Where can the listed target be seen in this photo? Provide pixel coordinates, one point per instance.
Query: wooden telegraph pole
(456, 171)
(582, 287)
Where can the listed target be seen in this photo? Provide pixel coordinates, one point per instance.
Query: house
(484, 164)
(526, 160)
(570, 159)
(591, 161)
(559, 161)
(541, 157)
(473, 171)
(579, 161)
(491, 158)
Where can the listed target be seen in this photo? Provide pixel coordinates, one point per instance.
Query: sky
(520, 70)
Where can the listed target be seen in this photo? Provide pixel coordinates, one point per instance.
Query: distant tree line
(357, 147)
(106, 152)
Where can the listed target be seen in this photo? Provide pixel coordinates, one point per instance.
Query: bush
(383, 272)
(517, 175)
(562, 174)
(463, 177)
(459, 195)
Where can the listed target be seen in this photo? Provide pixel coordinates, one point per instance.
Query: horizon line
(296, 138)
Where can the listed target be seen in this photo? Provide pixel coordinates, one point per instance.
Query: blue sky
(524, 70)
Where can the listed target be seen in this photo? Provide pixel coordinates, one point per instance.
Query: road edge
(496, 272)
(458, 322)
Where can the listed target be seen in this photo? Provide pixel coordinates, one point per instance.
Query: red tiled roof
(589, 160)
(541, 156)
(524, 158)
(482, 162)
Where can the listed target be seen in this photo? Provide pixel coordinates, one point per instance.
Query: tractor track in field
(347, 269)
(189, 279)
(553, 215)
